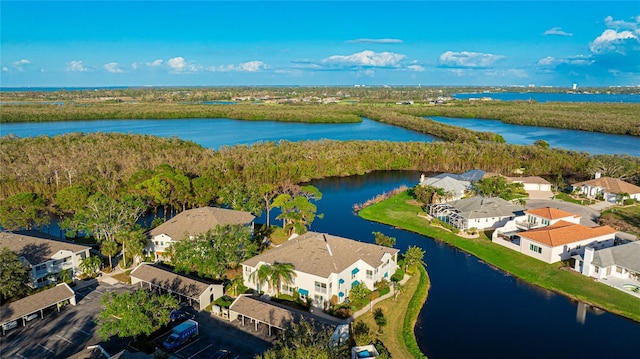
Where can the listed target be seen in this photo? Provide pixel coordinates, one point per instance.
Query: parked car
(221, 354)
(30, 317)
(180, 315)
(181, 334)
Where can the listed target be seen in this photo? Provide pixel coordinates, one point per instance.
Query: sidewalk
(379, 299)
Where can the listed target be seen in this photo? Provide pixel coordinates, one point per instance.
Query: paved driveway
(589, 215)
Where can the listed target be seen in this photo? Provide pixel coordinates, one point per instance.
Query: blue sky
(211, 43)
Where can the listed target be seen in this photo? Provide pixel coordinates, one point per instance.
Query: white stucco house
(45, 255)
(608, 187)
(453, 187)
(475, 212)
(326, 266)
(622, 261)
(193, 222)
(551, 235)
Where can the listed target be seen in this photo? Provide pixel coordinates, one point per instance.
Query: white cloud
(613, 41)
(250, 66)
(113, 67)
(21, 62)
(576, 60)
(5, 69)
(152, 64)
(621, 24)
(76, 66)
(366, 58)
(376, 41)
(177, 63)
(467, 59)
(557, 31)
(416, 68)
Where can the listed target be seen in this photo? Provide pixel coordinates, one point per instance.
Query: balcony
(524, 225)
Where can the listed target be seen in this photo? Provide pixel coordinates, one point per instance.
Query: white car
(30, 317)
(10, 325)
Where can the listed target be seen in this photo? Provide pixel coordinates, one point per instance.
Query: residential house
(45, 255)
(326, 266)
(454, 185)
(551, 235)
(475, 212)
(193, 222)
(622, 261)
(608, 187)
(536, 187)
(194, 290)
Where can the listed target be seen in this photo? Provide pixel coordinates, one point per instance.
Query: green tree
(213, 252)
(14, 274)
(380, 319)
(90, 265)
(23, 211)
(205, 191)
(282, 273)
(297, 211)
(362, 333)
(133, 241)
(621, 196)
(414, 256)
(541, 143)
(71, 199)
(305, 340)
(109, 249)
(384, 240)
(498, 186)
(358, 293)
(133, 313)
(261, 276)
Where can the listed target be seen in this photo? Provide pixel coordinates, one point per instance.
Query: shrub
(629, 201)
(399, 274)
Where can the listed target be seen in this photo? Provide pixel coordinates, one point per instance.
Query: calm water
(474, 311)
(552, 97)
(592, 142)
(214, 133)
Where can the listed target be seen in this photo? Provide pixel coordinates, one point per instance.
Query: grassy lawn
(401, 314)
(629, 215)
(567, 198)
(397, 212)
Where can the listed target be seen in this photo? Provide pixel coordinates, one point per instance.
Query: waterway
(474, 310)
(215, 133)
(552, 97)
(592, 142)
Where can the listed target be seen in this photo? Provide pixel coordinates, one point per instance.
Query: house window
(619, 270)
(369, 274)
(287, 289)
(41, 267)
(321, 287)
(318, 299)
(545, 222)
(535, 248)
(596, 269)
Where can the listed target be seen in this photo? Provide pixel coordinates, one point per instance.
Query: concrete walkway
(369, 308)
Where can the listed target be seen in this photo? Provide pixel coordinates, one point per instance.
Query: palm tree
(261, 276)
(90, 265)
(620, 197)
(282, 273)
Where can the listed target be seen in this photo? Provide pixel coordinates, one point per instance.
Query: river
(474, 310)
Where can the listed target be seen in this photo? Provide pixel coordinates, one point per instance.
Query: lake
(214, 133)
(592, 142)
(552, 97)
(474, 310)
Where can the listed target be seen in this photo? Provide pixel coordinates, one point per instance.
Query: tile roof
(167, 279)
(35, 302)
(563, 232)
(36, 249)
(611, 185)
(264, 312)
(322, 254)
(625, 255)
(550, 213)
(485, 207)
(447, 183)
(200, 220)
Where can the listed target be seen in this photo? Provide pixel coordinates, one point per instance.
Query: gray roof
(169, 280)
(625, 255)
(447, 183)
(484, 207)
(36, 249)
(473, 175)
(264, 312)
(200, 220)
(33, 303)
(322, 254)
(529, 179)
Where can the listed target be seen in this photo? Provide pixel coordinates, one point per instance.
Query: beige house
(536, 187)
(326, 266)
(45, 255)
(193, 222)
(188, 289)
(608, 187)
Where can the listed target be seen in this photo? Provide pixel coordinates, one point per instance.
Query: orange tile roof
(550, 213)
(564, 232)
(611, 185)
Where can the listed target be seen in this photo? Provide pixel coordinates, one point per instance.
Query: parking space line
(186, 346)
(45, 348)
(21, 356)
(205, 348)
(98, 291)
(82, 331)
(65, 339)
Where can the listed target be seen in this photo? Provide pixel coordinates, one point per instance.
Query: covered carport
(36, 303)
(257, 311)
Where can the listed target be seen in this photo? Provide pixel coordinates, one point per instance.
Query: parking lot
(61, 334)
(65, 333)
